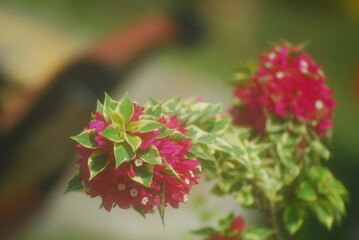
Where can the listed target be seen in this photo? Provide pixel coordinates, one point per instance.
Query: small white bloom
(279, 75)
(272, 56)
(303, 64)
(121, 186)
(191, 173)
(320, 72)
(138, 162)
(185, 198)
(319, 104)
(186, 181)
(304, 70)
(144, 200)
(199, 168)
(133, 192)
(136, 102)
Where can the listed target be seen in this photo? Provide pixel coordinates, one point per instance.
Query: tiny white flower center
(303, 64)
(121, 186)
(138, 162)
(186, 181)
(191, 173)
(319, 104)
(272, 56)
(199, 168)
(133, 192)
(185, 198)
(136, 102)
(144, 200)
(279, 75)
(304, 70)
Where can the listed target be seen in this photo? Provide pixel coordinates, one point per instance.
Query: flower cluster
(286, 83)
(132, 156)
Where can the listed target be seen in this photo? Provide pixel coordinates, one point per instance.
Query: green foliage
(76, 184)
(86, 139)
(97, 162)
(151, 155)
(293, 218)
(123, 152)
(144, 174)
(256, 233)
(113, 133)
(143, 126)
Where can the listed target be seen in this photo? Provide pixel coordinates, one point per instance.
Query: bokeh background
(38, 39)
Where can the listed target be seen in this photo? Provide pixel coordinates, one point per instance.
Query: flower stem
(271, 212)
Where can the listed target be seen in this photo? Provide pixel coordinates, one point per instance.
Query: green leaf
(299, 128)
(222, 145)
(97, 162)
(256, 233)
(307, 192)
(220, 126)
(199, 135)
(134, 141)
(204, 231)
(161, 208)
(143, 126)
(76, 184)
(293, 218)
(99, 107)
(144, 174)
(198, 151)
(109, 103)
(155, 111)
(318, 147)
(290, 138)
(337, 202)
(226, 221)
(170, 171)
(151, 155)
(117, 118)
(126, 108)
(113, 133)
(286, 154)
(275, 126)
(176, 136)
(123, 152)
(165, 132)
(139, 210)
(324, 212)
(245, 196)
(86, 138)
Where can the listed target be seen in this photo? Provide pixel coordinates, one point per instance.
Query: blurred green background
(235, 31)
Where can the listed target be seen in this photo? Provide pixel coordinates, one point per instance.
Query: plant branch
(272, 214)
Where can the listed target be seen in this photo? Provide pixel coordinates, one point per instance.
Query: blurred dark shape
(37, 151)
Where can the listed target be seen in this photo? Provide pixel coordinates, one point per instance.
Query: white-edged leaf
(86, 138)
(113, 133)
(97, 162)
(123, 152)
(151, 155)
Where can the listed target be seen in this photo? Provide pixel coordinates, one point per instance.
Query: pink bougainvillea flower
(287, 82)
(135, 162)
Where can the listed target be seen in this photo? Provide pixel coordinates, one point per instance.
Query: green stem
(272, 214)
